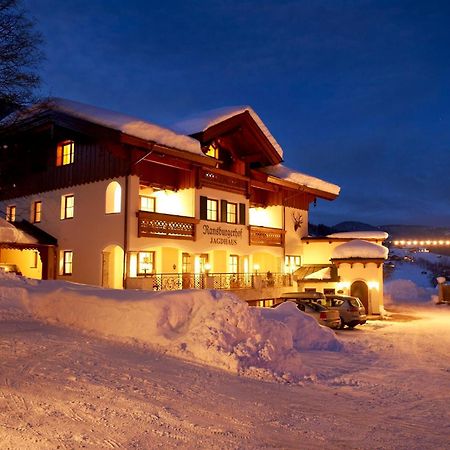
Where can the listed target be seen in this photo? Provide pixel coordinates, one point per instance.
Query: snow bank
(306, 334)
(284, 173)
(209, 327)
(360, 235)
(406, 291)
(359, 249)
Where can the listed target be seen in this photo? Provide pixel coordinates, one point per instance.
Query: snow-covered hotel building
(100, 198)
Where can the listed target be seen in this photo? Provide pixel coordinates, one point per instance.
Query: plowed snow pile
(209, 327)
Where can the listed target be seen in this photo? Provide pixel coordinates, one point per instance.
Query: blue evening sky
(356, 92)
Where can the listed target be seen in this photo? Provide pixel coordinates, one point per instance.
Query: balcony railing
(178, 281)
(266, 236)
(152, 224)
(218, 179)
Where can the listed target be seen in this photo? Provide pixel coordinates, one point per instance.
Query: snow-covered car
(351, 309)
(309, 305)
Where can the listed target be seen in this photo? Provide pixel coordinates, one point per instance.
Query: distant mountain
(324, 230)
(394, 231)
(354, 226)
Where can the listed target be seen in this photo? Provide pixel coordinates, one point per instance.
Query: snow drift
(208, 327)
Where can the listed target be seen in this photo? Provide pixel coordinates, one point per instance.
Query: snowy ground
(386, 385)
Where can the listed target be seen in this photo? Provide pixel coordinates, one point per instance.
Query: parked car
(13, 268)
(309, 303)
(351, 309)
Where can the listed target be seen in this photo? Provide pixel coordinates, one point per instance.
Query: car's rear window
(356, 302)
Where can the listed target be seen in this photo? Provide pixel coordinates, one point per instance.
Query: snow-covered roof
(203, 121)
(379, 235)
(322, 274)
(127, 124)
(11, 235)
(284, 173)
(359, 249)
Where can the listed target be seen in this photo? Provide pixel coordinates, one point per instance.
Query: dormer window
(65, 153)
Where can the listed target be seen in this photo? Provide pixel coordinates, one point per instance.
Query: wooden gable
(242, 137)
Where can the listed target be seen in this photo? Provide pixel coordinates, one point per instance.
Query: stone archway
(112, 267)
(360, 289)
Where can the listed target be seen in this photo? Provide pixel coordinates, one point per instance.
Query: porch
(223, 281)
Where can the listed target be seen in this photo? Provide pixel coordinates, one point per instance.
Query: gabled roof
(315, 185)
(129, 125)
(239, 123)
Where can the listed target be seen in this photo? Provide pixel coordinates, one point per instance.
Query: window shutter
(242, 213)
(203, 206)
(223, 210)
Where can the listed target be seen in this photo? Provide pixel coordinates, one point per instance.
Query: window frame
(66, 208)
(11, 211)
(212, 211)
(63, 157)
(151, 263)
(67, 262)
(233, 263)
(230, 214)
(37, 211)
(152, 201)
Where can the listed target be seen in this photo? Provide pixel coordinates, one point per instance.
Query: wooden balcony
(158, 225)
(266, 236)
(223, 180)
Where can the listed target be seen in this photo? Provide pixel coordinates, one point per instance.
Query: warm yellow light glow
(343, 285)
(373, 285)
(421, 242)
(396, 242)
(207, 267)
(113, 198)
(256, 267)
(402, 242)
(414, 242)
(441, 242)
(197, 265)
(434, 242)
(133, 265)
(259, 216)
(447, 242)
(212, 151)
(428, 242)
(169, 202)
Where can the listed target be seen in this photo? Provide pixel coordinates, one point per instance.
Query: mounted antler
(297, 219)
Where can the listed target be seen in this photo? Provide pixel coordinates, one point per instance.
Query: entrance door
(359, 289)
(112, 267)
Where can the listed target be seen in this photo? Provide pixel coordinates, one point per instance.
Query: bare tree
(20, 55)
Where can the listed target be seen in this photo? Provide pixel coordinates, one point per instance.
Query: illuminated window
(147, 203)
(292, 263)
(231, 212)
(204, 262)
(67, 261)
(34, 259)
(146, 262)
(212, 151)
(37, 211)
(211, 209)
(185, 262)
(67, 206)
(11, 213)
(234, 263)
(65, 153)
(113, 198)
